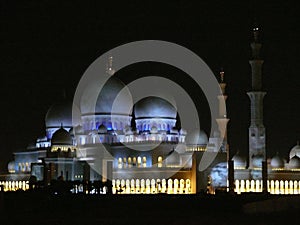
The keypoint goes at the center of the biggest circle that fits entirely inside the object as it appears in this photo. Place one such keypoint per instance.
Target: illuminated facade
(100, 144)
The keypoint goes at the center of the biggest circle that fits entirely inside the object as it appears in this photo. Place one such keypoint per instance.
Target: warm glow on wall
(151, 186)
(274, 186)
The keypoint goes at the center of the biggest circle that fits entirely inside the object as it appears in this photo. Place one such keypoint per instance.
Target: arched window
(134, 161)
(23, 167)
(27, 167)
(144, 161)
(120, 163)
(159, 161)
(129, 162)
(139, 161)
(170, 186)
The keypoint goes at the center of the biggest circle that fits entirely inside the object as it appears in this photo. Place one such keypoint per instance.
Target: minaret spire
(257, 136)
(109, 67)
(222, 119)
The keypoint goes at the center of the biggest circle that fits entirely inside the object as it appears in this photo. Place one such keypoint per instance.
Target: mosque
(154, 156)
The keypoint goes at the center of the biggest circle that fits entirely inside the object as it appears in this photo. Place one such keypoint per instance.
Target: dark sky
(47, 45)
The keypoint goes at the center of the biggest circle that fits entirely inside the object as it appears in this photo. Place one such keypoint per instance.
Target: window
(159, 161)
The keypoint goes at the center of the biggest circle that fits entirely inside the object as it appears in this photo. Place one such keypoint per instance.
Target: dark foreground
(39, 208)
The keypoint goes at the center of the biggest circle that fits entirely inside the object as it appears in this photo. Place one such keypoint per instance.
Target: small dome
(102, 129)
(295, 151)
(61, 114)
(173, 159)
(277, 161)
(197, 137)
(257, 161)
(154, 130)
(11, 167)
(239, 161)
(154, 107)
(61, 137)
(294, 163)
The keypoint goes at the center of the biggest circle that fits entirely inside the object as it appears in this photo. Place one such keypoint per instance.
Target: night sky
(47, 45)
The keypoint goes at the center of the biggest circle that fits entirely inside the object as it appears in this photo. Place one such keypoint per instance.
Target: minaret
(257, 136)
(222, 120)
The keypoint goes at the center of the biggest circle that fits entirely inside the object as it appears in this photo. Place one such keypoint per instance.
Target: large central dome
(112, 100)
(154, 112)
(154, 107)
(113, 106)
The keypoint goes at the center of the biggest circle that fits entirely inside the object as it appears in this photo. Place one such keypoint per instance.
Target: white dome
(154, 107)
(295, 151)
(197, 137)
(239, 161)
(109, 100)
(277, 161)
(61, 114)
(294, 163)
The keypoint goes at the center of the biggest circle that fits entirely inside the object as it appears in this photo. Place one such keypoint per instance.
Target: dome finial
(62, 125)
(298, 142)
